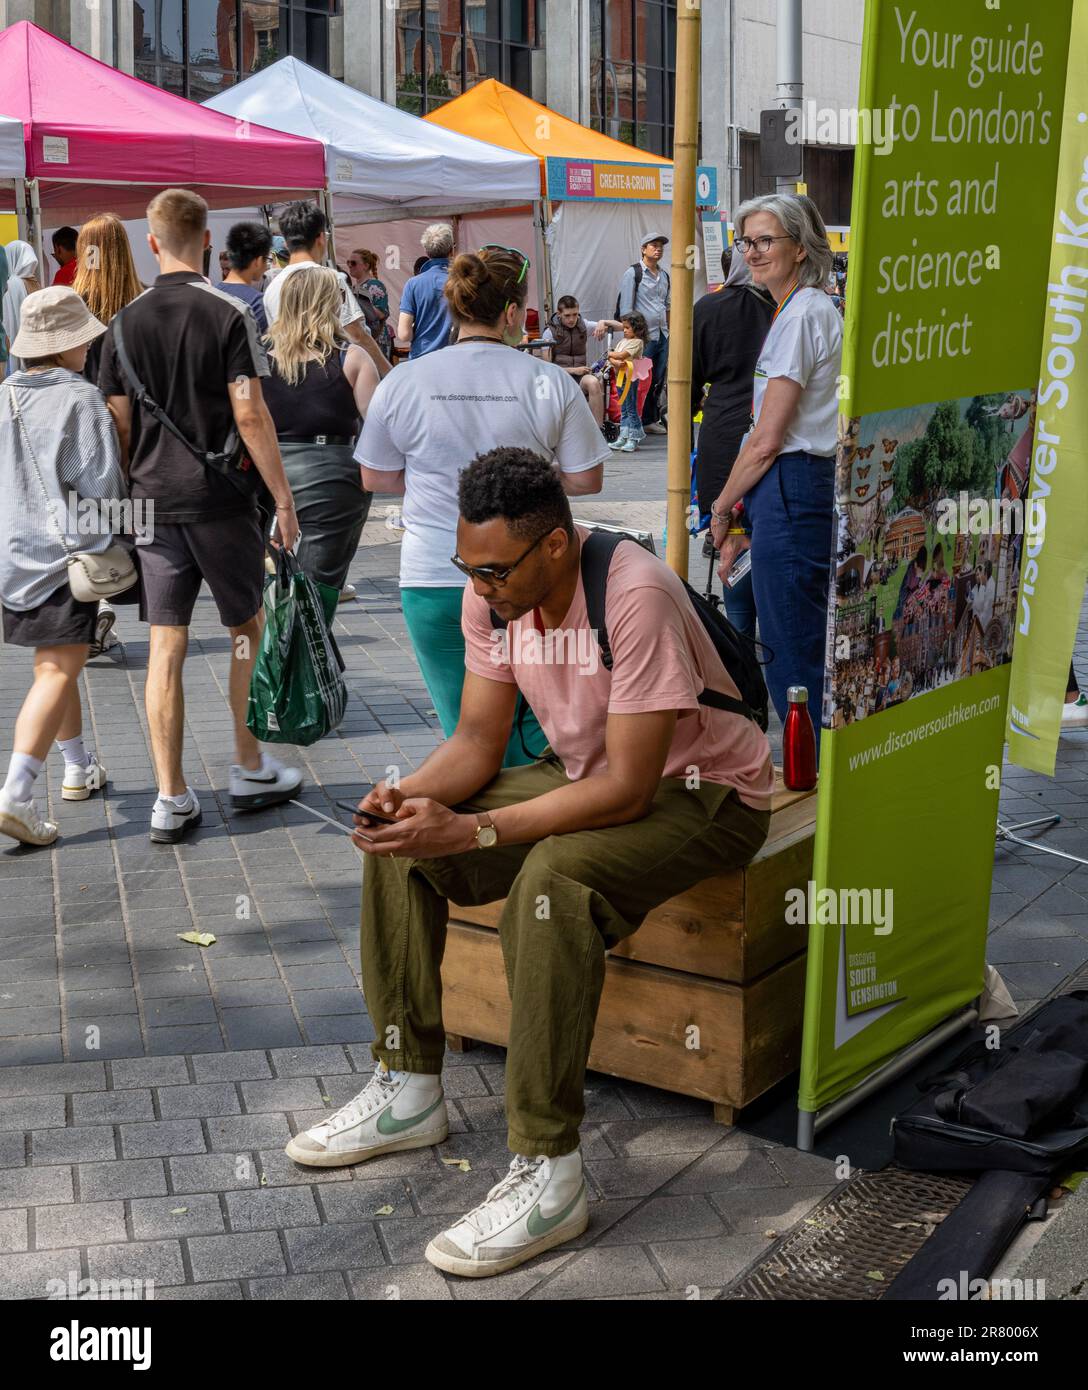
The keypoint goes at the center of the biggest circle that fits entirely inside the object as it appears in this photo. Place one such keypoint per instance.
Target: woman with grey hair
(424, 319)
(779, 497)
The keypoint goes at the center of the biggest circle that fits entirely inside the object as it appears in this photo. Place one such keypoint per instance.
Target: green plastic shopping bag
(297, 694)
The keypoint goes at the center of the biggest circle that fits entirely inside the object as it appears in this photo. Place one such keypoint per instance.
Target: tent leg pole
(326, 207)
(36, 210)
(22, 206)
(545, 258)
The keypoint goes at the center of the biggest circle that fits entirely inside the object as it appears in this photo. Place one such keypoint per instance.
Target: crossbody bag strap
(17, 412)
(156, 411)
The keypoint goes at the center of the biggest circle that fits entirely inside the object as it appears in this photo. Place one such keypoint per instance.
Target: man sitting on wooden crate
(647, 791)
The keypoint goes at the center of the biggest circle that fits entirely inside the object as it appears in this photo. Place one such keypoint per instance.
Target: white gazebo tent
(12, 150)
(382, 164)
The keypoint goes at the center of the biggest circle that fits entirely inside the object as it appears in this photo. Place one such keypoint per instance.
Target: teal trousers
(433, 619)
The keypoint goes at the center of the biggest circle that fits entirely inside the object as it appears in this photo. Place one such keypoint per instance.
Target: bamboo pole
(684, 252)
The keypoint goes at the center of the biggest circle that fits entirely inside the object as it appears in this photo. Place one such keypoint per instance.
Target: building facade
(609, 64)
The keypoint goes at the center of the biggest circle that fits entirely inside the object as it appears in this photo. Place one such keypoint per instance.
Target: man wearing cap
(645, 288)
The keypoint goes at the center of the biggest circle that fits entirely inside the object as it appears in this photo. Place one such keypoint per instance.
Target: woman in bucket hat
(59, 448)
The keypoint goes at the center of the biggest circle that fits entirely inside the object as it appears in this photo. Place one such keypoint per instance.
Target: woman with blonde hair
(106, 281)
(318, 394)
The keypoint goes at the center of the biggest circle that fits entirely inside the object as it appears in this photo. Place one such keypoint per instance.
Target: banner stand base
(1005, 832)
(811, 1122)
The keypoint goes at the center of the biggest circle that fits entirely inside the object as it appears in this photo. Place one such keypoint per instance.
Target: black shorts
(227, 553)
(58, 621)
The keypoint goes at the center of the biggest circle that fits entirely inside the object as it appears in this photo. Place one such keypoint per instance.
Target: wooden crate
(749, 1036)
(720, 957)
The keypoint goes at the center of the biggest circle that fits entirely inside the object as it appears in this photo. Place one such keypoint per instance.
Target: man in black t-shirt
(197, 353)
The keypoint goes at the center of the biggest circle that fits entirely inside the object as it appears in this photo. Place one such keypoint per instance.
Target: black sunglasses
(491, 574)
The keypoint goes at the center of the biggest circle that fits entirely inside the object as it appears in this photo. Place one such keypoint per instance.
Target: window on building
(197, 48)
(444, 47)
(632, 66)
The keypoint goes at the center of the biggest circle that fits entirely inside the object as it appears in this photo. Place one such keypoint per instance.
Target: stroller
(603, 370)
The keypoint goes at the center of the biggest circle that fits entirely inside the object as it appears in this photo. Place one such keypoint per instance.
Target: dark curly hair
(518, 485)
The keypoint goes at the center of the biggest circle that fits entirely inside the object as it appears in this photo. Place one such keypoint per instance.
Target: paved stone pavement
(148, 1086)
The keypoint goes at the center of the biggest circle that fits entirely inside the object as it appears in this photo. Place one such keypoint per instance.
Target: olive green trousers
(569, 898)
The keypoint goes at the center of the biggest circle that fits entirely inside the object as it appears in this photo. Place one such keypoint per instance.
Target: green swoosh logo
(388, 1124)
(538, 1225)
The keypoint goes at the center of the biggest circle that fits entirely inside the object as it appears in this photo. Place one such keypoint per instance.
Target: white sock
(22, 770)
(180, 803)
(75, 755)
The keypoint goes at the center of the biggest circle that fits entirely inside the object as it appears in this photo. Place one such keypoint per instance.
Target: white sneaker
(268, 786)
(656, 428)
(368, 1125)
(80, 782)
(347, 593)
(1075, 716)
(539, 1204)
(619, 441)
(21, 821)
(630, 444)
(169, 824)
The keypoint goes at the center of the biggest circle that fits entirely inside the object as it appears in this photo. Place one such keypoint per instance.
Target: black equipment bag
(231, 462)
(737, 652)
(1022, 1107)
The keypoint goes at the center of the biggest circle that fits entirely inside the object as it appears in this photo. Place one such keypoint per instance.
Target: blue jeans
(791, 512)
(658, 353)
(629, 416)
(740, 605)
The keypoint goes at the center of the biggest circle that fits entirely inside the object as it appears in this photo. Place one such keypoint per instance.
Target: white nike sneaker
(271, 784)
(539, 1204)
(169, 824)
(1075, 715)
(394, 1111)
(268, 786)
(80, 782)
(21, 821)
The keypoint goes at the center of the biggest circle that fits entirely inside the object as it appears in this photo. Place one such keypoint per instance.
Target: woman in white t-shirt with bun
(785, 471)
(432, 416)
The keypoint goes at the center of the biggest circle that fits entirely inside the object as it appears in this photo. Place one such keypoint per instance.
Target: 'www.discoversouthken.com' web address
(894, 743)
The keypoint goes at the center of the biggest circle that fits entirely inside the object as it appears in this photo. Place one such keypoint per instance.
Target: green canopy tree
(952, 456)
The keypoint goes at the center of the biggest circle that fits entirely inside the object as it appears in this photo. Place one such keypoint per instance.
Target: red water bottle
(798, 743)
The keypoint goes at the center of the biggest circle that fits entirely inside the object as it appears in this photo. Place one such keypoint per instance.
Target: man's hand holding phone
(420, 828)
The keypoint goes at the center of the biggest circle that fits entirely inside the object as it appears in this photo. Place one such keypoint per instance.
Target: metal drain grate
(854, 1243)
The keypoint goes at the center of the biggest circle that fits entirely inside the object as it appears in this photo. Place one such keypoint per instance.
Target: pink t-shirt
(661, 659)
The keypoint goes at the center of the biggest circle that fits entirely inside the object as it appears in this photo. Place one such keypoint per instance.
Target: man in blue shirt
(248, 245)
(424, 316)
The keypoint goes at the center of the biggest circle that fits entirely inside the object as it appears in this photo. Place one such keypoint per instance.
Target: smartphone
(739, 570)
(353, 807)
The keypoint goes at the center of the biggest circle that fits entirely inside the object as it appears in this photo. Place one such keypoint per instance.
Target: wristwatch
(487, 836)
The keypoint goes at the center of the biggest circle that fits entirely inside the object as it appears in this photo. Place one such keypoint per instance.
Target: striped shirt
(74, 443)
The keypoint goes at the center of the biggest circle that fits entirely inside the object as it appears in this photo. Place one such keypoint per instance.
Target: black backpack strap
(597, 551)
(221, 462)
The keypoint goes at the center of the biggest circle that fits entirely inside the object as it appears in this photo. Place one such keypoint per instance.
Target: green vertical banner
(1055, 567)
(959, 127)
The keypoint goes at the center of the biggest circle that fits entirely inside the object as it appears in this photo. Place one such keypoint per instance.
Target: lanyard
(792, 291)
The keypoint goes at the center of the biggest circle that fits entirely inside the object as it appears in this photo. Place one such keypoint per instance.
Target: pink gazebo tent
(97, 139)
